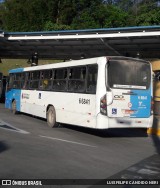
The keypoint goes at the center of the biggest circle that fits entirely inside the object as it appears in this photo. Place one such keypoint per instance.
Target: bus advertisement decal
(25, 96)
(142, 103)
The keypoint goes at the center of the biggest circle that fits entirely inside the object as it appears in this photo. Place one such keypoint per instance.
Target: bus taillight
(103, 105)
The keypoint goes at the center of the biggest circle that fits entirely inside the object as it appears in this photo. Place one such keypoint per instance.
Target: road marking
(7, 126)
(72, 142)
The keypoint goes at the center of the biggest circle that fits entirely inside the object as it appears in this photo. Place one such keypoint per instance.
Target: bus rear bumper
(104, 122)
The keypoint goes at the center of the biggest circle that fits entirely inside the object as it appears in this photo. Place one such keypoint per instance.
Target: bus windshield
(128, 74)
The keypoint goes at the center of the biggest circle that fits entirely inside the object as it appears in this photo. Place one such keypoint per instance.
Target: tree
(85, 17)
(144, 12)
(50, 26)
(148, 13)
(111, 16)
(40, 15)
(25, 15)
(85, 21)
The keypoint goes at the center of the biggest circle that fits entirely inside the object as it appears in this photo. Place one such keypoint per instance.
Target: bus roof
(72, 63)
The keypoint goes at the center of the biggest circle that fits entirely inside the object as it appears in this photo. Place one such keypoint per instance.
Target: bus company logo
(25, 96)
(118, 97)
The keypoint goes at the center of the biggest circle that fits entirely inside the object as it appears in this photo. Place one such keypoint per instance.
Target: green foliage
(84, 21)
(49, 26)
(148, 14)
(115, 17)
(40, 15)
(24, 15)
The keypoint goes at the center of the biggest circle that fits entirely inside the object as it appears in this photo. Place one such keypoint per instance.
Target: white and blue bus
(101, 93)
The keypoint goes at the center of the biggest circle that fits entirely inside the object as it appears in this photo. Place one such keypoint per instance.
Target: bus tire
(14, 110)
(51, 117)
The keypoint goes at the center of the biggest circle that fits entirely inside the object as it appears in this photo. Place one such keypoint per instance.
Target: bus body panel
(101, 83)
(71, 108)
(30, 103)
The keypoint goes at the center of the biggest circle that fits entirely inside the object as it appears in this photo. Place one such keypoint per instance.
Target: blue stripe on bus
(14, 94)
(141, 103)
(16, 70)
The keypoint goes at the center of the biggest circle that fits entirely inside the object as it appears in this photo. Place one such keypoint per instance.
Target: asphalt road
(29, 149)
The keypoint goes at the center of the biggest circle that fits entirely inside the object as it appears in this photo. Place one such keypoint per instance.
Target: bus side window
(34, 79)
(60, 79)
(46, 80)
(26, 80)
(15, 80)
(92, 78)
(11, 80)
(22, 78)
(76, 82)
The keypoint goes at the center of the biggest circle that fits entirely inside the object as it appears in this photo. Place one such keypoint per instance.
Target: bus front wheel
(14, 110)
(51, 117)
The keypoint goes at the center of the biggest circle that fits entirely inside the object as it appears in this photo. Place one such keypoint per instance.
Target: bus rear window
(129, 74)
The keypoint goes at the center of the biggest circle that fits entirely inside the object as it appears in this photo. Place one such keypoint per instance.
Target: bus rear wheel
(14, 110)
(51, 117)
